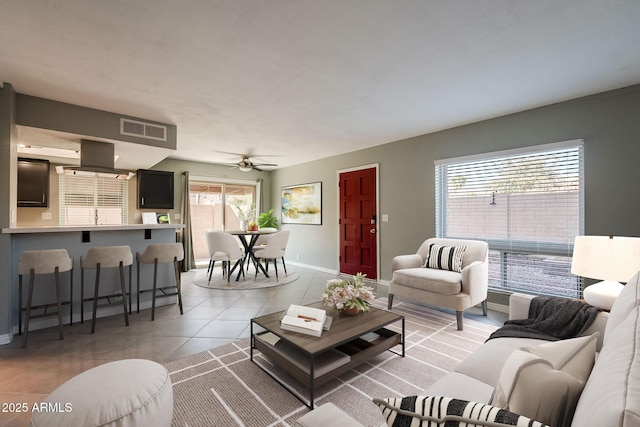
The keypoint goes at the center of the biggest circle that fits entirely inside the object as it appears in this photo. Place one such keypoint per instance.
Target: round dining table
(248, 240)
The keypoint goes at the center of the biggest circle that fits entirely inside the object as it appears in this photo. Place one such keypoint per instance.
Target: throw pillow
(445, 257)
(440, 411)
(545, 382)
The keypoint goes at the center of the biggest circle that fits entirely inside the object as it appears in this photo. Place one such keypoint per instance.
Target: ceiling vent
(143, 130)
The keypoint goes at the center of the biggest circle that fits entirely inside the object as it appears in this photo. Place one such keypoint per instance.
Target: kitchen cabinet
(33, 183)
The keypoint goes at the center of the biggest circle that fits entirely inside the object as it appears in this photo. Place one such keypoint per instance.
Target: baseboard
(313, 267)
(500, 308)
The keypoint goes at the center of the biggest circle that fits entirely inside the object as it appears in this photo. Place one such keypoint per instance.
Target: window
(92, 200)
(221, 206)
(527, 204)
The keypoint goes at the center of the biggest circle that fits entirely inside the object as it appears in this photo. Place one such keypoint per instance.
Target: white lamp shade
(606, 257)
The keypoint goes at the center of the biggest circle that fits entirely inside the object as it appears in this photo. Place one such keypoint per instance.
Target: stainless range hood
(96, 158)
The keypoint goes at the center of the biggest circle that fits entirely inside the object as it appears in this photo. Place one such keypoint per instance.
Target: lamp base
(602, 294)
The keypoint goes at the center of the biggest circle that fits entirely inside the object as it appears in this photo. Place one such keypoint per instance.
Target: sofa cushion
(485, 364)
(445, 257)
(429, 279)
(545, 382)
(462, 387)
(611, 396)
(409, 411)
(626, 301)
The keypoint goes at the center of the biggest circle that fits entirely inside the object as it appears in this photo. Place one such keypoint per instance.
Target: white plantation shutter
(92, 200)
(527, 204)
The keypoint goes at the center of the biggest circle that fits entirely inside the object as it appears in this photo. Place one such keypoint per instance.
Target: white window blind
(527, 204)
(92, 200)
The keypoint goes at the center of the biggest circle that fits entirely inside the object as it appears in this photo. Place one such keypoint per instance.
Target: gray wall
(8, 185)
(609, 123)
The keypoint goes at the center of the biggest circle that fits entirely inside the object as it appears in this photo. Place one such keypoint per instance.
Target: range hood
(96, 158)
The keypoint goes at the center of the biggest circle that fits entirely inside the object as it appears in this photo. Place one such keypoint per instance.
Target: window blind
(527, 204)
(92, 200)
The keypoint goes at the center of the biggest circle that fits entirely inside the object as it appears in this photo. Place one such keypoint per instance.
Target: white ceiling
(302, 80)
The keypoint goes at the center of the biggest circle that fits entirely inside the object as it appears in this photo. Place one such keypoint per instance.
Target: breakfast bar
(77, 240)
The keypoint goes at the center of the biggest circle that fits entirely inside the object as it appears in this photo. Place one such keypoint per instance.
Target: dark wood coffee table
(358, 337)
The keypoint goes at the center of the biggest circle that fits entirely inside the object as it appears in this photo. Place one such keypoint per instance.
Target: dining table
(248, 240)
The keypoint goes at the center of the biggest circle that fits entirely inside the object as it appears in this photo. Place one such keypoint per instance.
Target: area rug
(248, 282)
(222, 387)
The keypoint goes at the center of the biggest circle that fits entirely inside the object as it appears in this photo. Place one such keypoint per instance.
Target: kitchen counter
(64, 229)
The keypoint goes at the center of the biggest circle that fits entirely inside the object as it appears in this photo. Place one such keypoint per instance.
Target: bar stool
(51, 261)
(160, 253)
(105, 257)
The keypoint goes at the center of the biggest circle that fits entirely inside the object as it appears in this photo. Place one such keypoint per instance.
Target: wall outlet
(297, 257)
(385, 217)
(176, 216)
(137, 215)
(46, 215)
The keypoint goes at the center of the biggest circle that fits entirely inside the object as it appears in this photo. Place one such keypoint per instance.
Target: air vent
(143, 130)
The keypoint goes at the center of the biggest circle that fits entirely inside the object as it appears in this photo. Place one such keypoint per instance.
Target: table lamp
(607, 258)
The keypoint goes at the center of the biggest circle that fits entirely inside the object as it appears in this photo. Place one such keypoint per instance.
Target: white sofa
(611, 395)
(457, 290)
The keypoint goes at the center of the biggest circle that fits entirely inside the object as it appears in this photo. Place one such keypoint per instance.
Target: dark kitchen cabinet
(155, 189)
(33, 183)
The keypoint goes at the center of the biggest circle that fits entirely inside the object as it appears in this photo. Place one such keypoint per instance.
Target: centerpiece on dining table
(349, 296)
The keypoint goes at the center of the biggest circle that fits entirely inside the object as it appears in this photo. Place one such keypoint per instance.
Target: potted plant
(266, 219)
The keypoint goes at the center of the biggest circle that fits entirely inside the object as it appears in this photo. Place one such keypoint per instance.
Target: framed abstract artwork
(302, 204)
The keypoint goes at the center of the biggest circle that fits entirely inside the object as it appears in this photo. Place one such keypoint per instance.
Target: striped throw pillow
(440, 411)
(445, 257)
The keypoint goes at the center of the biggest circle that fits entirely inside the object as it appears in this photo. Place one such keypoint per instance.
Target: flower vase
(350, 311)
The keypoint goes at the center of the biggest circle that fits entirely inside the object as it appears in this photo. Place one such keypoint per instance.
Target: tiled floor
(211, 318)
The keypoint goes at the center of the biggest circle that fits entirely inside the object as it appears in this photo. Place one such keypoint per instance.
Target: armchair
(457, 290)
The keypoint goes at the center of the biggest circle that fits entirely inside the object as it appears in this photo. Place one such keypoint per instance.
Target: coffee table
(313, 361)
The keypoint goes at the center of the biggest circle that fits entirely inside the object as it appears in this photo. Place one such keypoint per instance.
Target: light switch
(385, 218)
(46, 215)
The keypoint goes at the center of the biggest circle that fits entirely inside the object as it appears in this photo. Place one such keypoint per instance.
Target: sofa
(591, 380)
(451, 273)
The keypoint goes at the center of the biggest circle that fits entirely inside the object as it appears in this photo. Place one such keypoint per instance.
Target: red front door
(358, 223)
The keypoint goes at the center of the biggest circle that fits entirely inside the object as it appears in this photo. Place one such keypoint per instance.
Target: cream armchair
(441, 287)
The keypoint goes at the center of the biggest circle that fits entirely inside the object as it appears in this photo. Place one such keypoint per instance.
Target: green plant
(266, 219)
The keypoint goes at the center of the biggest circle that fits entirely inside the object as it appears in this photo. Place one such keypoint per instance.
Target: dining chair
(261, 241)
(224, 247)
(274, 249)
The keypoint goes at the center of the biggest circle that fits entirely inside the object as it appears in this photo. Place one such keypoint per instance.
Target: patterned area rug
(222, 387)
(217, 282)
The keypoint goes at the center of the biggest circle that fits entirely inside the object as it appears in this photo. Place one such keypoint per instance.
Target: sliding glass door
(219, 206)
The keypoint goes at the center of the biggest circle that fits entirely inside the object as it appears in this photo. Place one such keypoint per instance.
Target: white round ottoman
(131, 392)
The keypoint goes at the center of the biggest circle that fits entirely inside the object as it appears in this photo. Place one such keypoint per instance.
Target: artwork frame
(301, 204)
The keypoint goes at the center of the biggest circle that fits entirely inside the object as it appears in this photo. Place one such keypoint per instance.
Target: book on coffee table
(303, 319)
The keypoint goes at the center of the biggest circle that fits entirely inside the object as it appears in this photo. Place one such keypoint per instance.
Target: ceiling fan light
(244, 168)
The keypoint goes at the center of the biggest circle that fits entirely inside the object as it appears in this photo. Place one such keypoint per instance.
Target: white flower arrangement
(342, 293)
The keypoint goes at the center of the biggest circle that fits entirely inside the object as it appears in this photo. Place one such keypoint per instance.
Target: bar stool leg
(178, 283)
(20, 304)
(124, 292)
(57, 274)
(71, 298)
(95, 299)
(138, 287)
(81, 295)
(155, 284)
(32, 276)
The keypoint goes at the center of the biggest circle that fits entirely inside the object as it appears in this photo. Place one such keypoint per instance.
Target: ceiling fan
(246, 165)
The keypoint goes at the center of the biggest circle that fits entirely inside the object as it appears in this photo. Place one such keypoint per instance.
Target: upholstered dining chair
(224, 247)
(274, 249)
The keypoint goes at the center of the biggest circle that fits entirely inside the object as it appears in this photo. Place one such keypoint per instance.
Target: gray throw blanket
(551, 319)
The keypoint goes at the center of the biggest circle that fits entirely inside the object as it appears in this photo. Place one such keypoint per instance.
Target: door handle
(372, 231)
